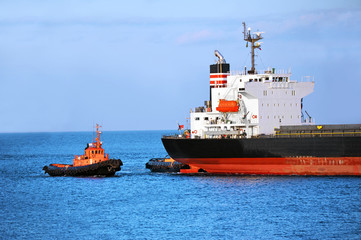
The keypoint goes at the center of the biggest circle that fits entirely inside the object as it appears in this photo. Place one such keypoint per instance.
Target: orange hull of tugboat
(276, 166)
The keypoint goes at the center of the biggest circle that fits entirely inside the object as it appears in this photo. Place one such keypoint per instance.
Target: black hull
(269, 155)
(104, 168)
(263, 147)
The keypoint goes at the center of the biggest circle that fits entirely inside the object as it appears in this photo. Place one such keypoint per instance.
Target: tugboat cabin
(94, 153)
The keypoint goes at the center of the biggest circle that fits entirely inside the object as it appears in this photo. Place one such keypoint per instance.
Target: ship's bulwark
(272, 156)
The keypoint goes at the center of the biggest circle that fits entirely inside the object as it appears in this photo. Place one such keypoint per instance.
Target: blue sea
(138, 204)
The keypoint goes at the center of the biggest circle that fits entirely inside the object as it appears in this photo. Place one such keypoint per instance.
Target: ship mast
(252, 38)
(97, 139)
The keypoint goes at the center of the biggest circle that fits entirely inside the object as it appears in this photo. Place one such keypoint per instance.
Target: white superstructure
(253, 103)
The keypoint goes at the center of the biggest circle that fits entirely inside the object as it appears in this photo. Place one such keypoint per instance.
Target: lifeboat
(227, 106)
(93, 162)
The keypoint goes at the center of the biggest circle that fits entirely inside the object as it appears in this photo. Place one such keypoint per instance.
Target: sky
(142, 65)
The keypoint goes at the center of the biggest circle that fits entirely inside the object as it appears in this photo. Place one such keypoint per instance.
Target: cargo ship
(94, 162)
(255, 123)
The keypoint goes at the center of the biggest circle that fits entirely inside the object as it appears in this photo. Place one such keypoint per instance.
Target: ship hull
(104, 168)
(270, 156)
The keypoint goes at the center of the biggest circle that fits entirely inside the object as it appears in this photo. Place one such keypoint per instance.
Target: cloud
(326, 18)
(208, 35)
(194, 37)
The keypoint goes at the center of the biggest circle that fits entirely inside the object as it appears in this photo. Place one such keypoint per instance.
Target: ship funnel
(219, 56)
(218, 74)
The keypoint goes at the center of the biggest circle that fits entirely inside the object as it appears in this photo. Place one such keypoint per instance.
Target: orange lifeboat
(227, 106)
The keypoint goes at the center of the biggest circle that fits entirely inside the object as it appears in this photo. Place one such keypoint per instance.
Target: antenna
(252, 38)
(309, 117)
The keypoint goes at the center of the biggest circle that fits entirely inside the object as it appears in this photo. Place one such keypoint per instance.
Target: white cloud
(327, 18)
(194, 37)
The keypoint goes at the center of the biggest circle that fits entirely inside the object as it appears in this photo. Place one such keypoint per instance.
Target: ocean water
(138, 204)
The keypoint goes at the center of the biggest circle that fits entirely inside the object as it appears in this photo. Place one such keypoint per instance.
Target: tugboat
(165, 164)
(94, 162)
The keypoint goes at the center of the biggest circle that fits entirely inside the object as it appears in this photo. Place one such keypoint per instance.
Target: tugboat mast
(97, 139)
(252, 38)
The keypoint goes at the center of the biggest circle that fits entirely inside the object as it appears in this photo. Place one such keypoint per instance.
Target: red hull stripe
(218, 82)
(279, 166)
(218, 76)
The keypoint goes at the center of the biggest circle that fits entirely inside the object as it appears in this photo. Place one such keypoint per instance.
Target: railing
(307, 79)
(318, 134)
(276, 72)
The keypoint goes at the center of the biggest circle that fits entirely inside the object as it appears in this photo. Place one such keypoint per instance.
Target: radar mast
(252, 38)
